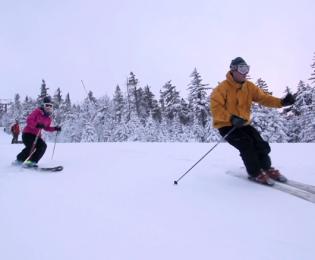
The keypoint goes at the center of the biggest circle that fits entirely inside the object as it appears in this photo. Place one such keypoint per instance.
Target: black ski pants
(253, 149)
(28, 140)
(15, 139)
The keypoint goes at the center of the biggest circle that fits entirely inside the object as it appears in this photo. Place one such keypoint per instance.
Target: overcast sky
(100, 42)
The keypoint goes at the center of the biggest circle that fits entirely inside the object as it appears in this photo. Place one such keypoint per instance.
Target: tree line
(137, 114)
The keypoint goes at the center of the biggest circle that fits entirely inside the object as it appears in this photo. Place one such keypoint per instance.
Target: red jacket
(37, 117)
(15, 129)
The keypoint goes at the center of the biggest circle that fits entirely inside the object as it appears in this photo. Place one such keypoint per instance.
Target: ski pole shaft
(52, 156)
(220, 141)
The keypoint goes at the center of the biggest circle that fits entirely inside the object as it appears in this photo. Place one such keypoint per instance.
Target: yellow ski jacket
(232, 98)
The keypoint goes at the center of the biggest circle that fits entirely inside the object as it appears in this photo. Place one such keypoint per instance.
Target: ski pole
(33, 149)
(220, 141)
(52, 156)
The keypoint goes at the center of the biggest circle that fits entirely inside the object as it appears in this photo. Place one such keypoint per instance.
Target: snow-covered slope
(117, 201)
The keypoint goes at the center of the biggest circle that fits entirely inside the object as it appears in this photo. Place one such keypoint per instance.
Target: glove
(58, 128)
(40, 126)
(237, 121)
(288, 100)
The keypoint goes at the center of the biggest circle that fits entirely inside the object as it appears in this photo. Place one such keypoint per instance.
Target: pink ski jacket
(37, 117)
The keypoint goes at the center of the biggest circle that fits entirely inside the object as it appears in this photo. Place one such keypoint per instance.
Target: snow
(117, 201)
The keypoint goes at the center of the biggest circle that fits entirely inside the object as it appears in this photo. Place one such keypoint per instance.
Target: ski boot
(262, 178)
(17, 163)
(276, 175)
(30, 164)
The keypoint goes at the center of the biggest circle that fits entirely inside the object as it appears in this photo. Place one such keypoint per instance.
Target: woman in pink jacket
(39, 119)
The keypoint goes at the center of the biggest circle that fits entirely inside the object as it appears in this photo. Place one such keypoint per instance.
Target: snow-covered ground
(117, 201)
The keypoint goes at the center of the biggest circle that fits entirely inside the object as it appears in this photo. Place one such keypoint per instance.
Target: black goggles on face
(48, 105)
(241, 68)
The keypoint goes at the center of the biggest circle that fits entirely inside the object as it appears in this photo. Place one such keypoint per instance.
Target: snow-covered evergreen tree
(306, 118)
(119, 104)
(170, 100)
(17, 108)
(43, 92)
(185, 114)
(57, 98)
(132, 95)
(58, 111)
(263, 85)
(28, 106)
(89, 134)
(147, 102)
(197, 99)
(268, 121)
(312, 78)
(156, 111)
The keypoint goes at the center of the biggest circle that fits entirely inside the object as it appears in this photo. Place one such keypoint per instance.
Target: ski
(41, 168)
(295, 191)
(284, 187)
(49, 169)
(301, 186)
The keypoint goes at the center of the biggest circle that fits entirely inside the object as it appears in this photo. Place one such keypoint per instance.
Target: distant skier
(231, 103)
(15, 130)
(39, 119)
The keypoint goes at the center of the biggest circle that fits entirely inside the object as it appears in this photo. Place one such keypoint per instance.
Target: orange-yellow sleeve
(264, 98)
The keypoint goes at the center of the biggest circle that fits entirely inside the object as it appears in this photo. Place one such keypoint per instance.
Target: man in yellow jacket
(231, 103)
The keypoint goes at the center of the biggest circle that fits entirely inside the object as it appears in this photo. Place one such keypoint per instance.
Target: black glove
(40, 126)
(237, 121)
(288, 100)
(58, 128)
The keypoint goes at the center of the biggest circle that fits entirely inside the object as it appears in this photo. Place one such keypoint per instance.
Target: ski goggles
(48, 105)
(242, 68)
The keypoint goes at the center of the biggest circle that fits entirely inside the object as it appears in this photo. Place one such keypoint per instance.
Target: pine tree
(118, 101)
(132, 95)
(89, 134)
(57, 98)
(58, 114)
(306, 116)
(17, 108)
(43, 92)
(156, 111)
(104, 120)
(28, 106)
(170, 100)
(268, 121)
(263, 85)
(147, 102)
(67, 103)
(308, 130)
(303, 97)
(152, 130)
(312, 78)
(185, 115)
(197, 98)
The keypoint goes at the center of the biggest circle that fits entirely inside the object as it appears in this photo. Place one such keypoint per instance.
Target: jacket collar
(44, 113)
(232, 82)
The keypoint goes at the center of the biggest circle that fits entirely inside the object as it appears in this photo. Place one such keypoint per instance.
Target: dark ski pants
(15, 139)
(28, 140)
(253, 149)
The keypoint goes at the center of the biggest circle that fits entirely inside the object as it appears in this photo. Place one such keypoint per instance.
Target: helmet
(240, 65)
(47, 99)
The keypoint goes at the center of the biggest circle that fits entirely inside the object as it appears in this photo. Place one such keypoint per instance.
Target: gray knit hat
(237, 61)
